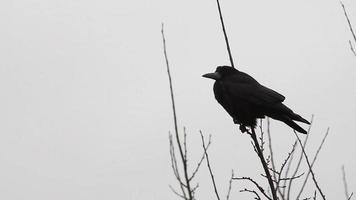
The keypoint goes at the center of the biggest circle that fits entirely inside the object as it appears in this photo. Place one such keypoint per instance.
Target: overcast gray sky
(84, 102)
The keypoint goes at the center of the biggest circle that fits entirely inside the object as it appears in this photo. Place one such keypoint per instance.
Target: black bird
(246, 100)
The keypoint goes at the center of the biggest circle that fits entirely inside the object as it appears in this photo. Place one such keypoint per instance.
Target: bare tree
(280, 179)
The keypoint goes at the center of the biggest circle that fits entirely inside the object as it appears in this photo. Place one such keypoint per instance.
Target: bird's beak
(215, 75)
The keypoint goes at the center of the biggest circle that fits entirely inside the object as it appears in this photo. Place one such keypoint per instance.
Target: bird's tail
(283, 113)
(298, 118)
(294, 125)
(290, 114)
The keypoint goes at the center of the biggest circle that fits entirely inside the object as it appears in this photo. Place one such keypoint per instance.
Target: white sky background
(84, 102)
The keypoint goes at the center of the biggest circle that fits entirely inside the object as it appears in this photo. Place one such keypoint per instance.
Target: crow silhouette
(246, 100)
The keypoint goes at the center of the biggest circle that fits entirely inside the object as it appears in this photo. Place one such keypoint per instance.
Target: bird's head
(221, 72)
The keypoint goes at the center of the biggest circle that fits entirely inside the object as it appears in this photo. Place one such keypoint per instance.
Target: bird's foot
(243, 128)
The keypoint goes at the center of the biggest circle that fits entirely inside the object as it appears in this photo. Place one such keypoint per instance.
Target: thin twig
(345, 182)
(287, 171)
(352, 48)
(175, 165)
(255, 183)
(348, 21)
(301, 156)
(177, 193)
(199, 163)
(185, 168)
(253, 192)
(314, 195)
(281, 170)
(310, 168)
(270, 145)
(292, 178)
(264, 164)
(271, 150)
(185, 144)
(208, 164)
(350, 26)
(230, 185)
(312, 164)
(195, 188)
(225, 35)
(262, 136)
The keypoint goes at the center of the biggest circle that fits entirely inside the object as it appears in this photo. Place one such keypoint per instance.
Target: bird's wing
(244, 87)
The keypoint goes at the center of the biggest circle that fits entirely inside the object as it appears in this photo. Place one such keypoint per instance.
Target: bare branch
(273, 163)
(175, 165)
(281, 170)
(264, 164)
(252, 191)
(352, 48)
(348, 21)
(274, 171)
(286, 173)
(208, 164)
(300, 157)
(225, 35)
(195, 188)
(345, 182)
(255, 183)
(230, 185)
(314, 195)
(292, 178)
(288, 157)
(310, 167)
(350, 27)
(314, 159)
(185, 144)
(262, 141)
(177, 193)
(270, 148)
(200, 162)
(185, 170)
